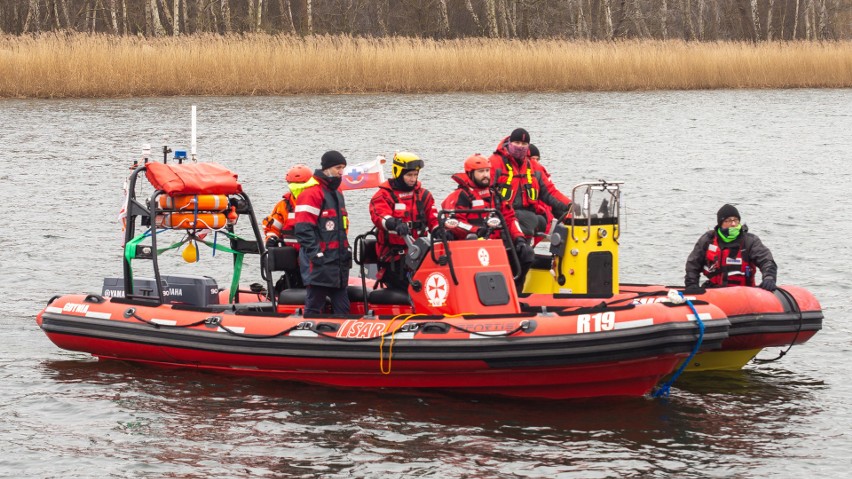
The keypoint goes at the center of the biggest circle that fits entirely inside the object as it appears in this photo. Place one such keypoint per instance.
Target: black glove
(391, 224)
(439, 234)
(483, 232)
(560, 210)
(526, 255)
(694, 289)
(271, 242)
(402, 229)
(768, 284)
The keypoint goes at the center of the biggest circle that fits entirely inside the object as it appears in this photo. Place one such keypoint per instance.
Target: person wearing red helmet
(476, 192)
(525, 184)
(401, 207)
(279, 226)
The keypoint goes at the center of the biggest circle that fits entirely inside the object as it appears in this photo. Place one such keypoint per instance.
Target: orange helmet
(299, 174)
(476, 162)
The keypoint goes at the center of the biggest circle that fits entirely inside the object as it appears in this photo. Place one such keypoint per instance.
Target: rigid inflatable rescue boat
(461, 326)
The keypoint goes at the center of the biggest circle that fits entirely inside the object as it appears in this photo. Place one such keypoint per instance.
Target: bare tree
(309, 20)
(176, 18)
(689, 28)
(491, 18)
(445, 18)
(225, 9)
(607, 14)
(755, 19)
(287, 11)
(469, 7)
(769, 13)
(155, 26)
(664, 19)
(33, 20)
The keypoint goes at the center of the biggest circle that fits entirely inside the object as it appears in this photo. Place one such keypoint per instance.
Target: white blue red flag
(369, 174)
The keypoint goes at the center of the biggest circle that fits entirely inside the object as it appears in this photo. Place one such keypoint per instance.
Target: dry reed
(83, 66)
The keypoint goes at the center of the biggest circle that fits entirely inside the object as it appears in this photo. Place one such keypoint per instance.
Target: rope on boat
(393, 338)
(665, 389)
(798, 310)
(209, 321)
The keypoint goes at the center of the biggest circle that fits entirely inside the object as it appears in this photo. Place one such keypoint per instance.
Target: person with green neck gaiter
(729, 256)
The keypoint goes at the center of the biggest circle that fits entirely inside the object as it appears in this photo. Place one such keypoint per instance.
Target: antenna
(193, 144)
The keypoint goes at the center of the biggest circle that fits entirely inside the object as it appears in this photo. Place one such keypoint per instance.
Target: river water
(783, 157)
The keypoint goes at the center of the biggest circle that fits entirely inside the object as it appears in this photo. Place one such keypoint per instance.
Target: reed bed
(85, 66)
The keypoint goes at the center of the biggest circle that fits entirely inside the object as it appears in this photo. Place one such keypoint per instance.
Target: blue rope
(665, 389)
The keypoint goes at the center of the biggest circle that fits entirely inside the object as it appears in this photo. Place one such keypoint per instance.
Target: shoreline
(105, 66)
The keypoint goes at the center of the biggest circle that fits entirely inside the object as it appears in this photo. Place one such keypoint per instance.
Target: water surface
(781, 156)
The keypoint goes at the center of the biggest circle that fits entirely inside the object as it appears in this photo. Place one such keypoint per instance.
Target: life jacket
(416, 208)
(282, 222)
(518, 185)
(727, 264)
(469, 196)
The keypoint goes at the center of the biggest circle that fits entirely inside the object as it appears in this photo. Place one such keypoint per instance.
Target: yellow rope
(393, 338)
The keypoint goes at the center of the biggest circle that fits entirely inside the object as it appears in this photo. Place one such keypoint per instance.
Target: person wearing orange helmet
(475, 192)
(279, 226)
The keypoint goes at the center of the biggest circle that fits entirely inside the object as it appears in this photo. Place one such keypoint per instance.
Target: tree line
(691, 20)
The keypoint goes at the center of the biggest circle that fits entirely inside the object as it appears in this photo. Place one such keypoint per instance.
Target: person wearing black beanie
(729, 256)
(321, 229)
(526, 185)
(725, 212)
(332, 158)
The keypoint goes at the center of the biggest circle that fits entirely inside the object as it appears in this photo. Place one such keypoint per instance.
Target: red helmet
(476, 162)
(299, 174)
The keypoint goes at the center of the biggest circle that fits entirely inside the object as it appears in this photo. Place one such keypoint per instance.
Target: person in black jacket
(730, 256)
(321, 227)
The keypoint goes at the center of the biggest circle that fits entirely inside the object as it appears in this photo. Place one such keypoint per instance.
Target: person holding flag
(401, 207)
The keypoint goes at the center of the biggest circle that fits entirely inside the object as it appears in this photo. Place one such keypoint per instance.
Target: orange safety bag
(193, 179)
(189, 221)
(189, 202)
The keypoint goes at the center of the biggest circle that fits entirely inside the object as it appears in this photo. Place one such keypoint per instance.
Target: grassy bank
(60, 66)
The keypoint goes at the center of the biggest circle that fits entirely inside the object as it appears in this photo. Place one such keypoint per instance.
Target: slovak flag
(369, 174)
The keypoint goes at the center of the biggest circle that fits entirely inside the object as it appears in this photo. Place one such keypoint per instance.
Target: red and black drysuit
(527, 187)
(324, 256)
(469, 196)
(413, 206)
(729, 264)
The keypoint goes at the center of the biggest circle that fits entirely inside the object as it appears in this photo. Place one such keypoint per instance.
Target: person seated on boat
(729, 256)
(321, 228)
(475, 192)
(279, 226)
(525, 184)
(401, 207)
